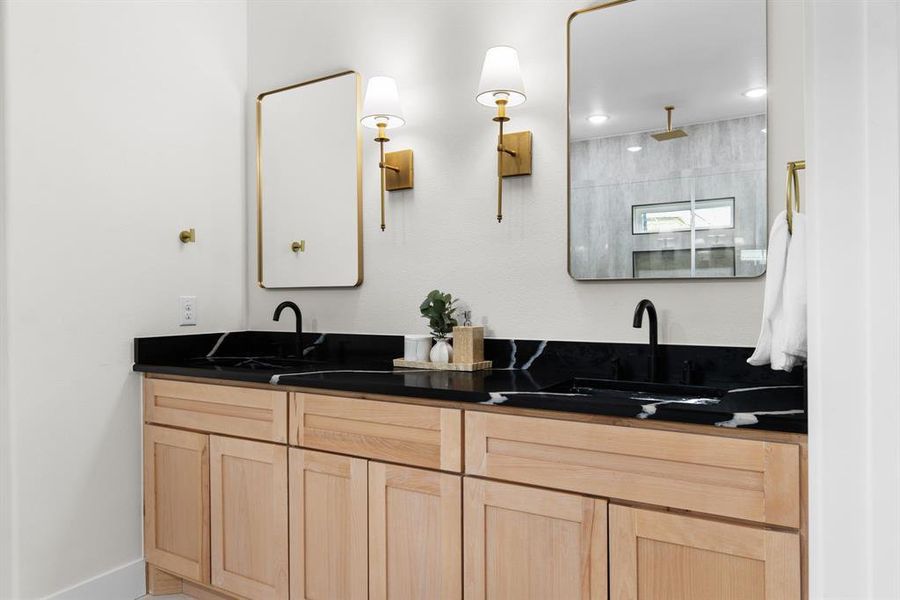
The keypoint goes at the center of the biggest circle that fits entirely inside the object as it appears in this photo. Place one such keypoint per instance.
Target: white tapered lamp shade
(382, 104)
(501, 78)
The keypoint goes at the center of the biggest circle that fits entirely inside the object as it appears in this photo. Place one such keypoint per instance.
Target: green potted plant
(438, 309)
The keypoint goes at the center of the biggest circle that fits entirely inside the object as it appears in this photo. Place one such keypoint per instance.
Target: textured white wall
(124, 124)
(443, 233)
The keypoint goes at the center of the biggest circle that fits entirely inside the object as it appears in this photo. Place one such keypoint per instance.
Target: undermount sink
(634, 390)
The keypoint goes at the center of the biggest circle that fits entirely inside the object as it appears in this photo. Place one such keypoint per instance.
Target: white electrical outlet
(188, 310)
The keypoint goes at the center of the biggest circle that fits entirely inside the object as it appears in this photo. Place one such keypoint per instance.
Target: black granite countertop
(575, 377)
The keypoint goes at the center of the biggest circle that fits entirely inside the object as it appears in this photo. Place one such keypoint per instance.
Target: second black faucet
(638, 320)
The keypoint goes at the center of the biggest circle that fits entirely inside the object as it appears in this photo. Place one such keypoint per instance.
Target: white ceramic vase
(442, 351)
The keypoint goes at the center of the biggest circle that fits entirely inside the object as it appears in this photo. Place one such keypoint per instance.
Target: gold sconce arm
(398, 176)
(501, 118)
(381, 139)
(513, 154)
(387, 166)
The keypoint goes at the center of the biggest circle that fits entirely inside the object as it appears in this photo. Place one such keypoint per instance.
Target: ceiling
(631, 60)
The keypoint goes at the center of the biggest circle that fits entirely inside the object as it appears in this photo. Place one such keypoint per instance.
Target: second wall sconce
(381, 111)
(187, 236)
(501, 85)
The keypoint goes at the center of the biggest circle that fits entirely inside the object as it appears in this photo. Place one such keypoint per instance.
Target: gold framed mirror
(667, 140)
(309, 184)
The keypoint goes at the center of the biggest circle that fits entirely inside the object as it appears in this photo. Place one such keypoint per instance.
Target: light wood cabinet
(176, 501)
(228, 410)
(663, 556)
(744, 479)
(415, 539)
(328, 526)
(527, 543)
(522, 514)
(422, 436)
(249, 518)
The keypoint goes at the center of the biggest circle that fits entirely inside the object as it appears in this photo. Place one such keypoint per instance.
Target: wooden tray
(415, 364)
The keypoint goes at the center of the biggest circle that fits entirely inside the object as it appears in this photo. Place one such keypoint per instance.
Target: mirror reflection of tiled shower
(692, 207)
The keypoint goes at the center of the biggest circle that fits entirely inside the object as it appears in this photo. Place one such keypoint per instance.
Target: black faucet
(638, 320)
(299, 316)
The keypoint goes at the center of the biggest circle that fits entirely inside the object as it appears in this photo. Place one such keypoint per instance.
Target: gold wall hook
(187, 236)
(299, 246)
(792, 191)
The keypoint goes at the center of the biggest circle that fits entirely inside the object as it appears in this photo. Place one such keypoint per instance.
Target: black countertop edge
(778, 414)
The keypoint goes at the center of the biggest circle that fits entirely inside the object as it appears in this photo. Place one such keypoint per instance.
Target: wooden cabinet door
(328, 535)
(415, 531)
(663, 556)
(176, 501)
(249, 518)
(530, 544)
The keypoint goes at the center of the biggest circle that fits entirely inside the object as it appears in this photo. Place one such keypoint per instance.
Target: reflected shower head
(669, 133)
(665, 136)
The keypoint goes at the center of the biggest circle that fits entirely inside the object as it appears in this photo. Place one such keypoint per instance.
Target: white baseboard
(122, 583)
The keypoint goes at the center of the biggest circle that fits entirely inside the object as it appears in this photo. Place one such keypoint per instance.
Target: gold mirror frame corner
(359, 186)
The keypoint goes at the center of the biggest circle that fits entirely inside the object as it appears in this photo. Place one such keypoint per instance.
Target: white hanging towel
(782, 337)
(795, 292)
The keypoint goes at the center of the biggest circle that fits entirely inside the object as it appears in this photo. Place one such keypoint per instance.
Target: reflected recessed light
(755, 92)
(634, 148)
(764, 130)
(598, 119)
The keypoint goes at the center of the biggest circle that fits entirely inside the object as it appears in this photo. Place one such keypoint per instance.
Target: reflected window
(665, 264)
(715, 213)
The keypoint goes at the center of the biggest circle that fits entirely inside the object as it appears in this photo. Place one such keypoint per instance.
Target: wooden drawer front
(744, 479)
(243, 412)
(422, 436)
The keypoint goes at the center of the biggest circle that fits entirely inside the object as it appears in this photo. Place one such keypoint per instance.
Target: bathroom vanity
(272, 479)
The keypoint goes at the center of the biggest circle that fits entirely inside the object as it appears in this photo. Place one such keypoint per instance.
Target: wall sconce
(501, 86)
(381, 111)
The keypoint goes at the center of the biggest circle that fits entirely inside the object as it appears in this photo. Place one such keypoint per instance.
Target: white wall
(443, 233)
(5, 462)
(853, 130)
(125, 124)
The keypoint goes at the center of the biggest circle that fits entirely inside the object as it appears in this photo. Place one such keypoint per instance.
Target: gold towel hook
(793, 185)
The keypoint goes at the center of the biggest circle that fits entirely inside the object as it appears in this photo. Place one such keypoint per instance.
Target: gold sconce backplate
(402, 179)
(520, 164)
